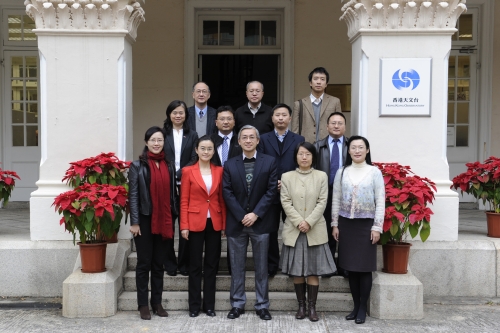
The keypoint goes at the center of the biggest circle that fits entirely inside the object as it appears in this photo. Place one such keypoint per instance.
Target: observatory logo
(407, 80)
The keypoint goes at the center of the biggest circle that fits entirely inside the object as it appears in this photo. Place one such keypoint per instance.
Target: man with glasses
(249, 189)
(312, 111)
(331, 156)
(202, 116)
(255, 112)
(280, 144)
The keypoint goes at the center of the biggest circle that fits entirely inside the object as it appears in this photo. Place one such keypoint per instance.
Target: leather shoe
(359, 321)
(271, 273)
(159, 310)
(144, 311)
(194, 313)
(264, 314)
(171, 273)
(184, 273)
(325, 276)
(235, 313)
(350, 316)
(210, 313)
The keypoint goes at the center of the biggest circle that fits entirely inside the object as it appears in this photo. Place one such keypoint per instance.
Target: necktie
(225, 150)
(201, 114)
(334, 161)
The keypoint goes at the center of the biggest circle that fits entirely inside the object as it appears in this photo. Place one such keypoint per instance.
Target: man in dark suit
(279, 144)
(255, 112)
(201, 116)
(226, 141)
(332, 152)
(249, 188)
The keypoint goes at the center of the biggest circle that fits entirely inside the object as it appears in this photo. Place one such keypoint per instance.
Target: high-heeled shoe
(159, 310)
(144, 311)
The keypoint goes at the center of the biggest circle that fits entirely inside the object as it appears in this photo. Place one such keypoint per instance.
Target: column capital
(85, 16)
(401, 16)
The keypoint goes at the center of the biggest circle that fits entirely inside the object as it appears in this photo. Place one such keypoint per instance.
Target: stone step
(249, 266)
(279, 301)
(280, 282)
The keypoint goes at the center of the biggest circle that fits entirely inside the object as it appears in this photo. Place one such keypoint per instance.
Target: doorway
(228, 74)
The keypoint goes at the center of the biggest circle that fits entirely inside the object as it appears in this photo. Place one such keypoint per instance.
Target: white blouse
(208, 183)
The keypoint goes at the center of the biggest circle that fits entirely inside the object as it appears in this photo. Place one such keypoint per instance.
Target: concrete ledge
(396, 296)
(279, 301)
(461, 268)
(95, 295)
(35, 269)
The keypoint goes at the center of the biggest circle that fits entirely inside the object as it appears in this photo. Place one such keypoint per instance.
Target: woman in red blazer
(203, 220)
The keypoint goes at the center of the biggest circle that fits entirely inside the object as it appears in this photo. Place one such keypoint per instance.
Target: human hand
(279, 185)
(335, 233)
(249, 219)
(135, 230)
(185, 234)
(375, 236)
(304, 226)
(223, 233)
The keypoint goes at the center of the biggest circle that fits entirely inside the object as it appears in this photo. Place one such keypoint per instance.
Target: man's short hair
(194, 85)
(248, 127)
(319, 70)
(224, 108)
(282, 105)
(336, 113)
(261, 84)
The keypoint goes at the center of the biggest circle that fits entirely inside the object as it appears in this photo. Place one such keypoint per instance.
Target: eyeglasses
(203, 149)
(197, 92)
(256, 91)
(156, 141)
(246, 138)
(225, 119)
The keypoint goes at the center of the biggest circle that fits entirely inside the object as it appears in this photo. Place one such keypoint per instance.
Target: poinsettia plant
(92, 210)
(7, 184)
(105, 168)
(482, 180)
(406, 198)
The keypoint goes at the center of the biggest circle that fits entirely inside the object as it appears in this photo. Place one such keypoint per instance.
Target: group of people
(238, 174)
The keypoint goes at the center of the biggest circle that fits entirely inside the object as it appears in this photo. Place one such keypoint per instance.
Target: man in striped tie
(332, 152)
(226, 141)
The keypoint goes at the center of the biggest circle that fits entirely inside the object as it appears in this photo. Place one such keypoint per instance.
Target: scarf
(159, 189)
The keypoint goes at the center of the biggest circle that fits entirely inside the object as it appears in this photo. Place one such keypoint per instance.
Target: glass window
(18, 136)
(210, 32)
(463, 113)
(21, 28)
(451, 67)
(465, 27)
(31, 136)
(462, 136)
(227, 33)
(451, 113)
(268, 35)
(252, 32)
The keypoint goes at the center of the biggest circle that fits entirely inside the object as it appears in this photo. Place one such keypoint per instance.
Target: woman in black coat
(153, 200)
(179, 148)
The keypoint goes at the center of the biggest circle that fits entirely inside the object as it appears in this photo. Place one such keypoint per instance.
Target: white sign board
(405, 87)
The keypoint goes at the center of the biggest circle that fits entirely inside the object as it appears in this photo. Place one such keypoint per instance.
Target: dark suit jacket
(262, 120)
(187, 149)
(262, 192)
(211, 116)
(234, 148)
(323, 154)
(286, 161)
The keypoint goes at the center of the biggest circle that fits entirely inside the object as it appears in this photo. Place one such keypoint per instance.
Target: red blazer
(195, 200)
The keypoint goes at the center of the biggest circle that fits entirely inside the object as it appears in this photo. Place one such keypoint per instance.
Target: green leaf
(92, 179)
(89, 214)
(414, 230)
(425, 231)
(397, 205)
(394, 229)
(406, 204)
(385, 237)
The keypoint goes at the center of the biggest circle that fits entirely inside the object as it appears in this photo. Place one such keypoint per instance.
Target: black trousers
(332, 243)
(273, 258)
(212, 241)
(182, 262)
(151, 251)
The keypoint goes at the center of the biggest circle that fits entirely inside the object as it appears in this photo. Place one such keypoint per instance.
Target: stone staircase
(333, 295)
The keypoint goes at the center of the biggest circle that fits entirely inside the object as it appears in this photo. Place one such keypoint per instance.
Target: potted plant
(105, 168)
(482, 180)
(94, 211)
(7, 184)
(407, 196)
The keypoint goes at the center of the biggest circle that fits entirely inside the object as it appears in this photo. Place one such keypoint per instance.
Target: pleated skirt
(356, 251)
(305, 260)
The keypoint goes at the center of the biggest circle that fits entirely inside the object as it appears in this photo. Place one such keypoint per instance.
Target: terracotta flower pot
(93, 257)
(396, 258)
(493, 220)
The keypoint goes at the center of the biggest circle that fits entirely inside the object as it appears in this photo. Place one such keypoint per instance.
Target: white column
(381, 29)
(85, 51)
